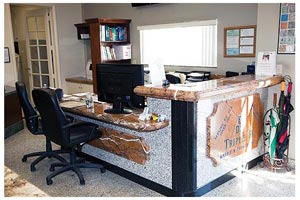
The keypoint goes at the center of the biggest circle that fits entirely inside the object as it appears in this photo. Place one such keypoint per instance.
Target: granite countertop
(195, 91)
(130, 121)
(80, 79)
(15, 186)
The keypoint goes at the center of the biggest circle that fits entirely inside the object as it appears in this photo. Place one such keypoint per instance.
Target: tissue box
(122, 51)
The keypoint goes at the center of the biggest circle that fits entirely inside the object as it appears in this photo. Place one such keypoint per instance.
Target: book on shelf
(122, 51)
(113, 34)
(103, 53)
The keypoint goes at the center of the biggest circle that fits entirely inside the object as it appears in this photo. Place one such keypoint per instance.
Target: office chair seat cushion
(81, 134)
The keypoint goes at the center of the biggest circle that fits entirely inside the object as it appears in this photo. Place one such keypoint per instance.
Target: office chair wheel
(24, 159)
(32, 168)
(49, 181)
(82, 182)
(102, 170)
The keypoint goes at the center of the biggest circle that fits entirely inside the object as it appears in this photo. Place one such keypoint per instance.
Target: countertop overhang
(201, 90)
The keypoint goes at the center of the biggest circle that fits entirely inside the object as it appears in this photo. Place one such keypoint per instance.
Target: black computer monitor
(115, 83)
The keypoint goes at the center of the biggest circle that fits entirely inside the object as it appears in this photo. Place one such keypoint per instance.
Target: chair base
(73, 165)
(42, 155)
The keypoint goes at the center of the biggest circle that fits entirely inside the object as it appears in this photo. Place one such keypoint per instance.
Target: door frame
(52, 52)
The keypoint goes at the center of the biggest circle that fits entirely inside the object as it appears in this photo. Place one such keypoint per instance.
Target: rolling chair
(60, 130)
(231, 74)
(34, 126)
(173, 78)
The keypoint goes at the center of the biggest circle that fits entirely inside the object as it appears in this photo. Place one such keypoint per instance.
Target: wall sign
(6, 55)
(239, 41)
(286, 32)
(234, 128)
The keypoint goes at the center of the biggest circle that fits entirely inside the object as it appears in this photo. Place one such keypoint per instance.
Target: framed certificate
(6, 55)
(239, 41)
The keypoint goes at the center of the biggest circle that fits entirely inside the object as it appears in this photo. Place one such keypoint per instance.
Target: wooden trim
(95, 51)
(108, 20)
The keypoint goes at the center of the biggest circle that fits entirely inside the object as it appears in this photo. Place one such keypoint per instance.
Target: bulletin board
(286, 35)
(240, 41)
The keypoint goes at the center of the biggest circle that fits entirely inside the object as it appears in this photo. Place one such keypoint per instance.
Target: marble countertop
(16, 186)
(195, 91)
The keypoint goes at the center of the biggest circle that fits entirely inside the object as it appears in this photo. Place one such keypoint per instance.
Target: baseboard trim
(13, 129)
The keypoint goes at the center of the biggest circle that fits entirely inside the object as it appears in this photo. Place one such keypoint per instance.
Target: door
(41, 69)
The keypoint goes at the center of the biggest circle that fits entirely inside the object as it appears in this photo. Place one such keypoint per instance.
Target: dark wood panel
(13, 112)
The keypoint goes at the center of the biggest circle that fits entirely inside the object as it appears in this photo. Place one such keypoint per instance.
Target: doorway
(33, 37)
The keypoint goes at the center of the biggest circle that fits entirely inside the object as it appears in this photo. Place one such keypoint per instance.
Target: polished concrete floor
(257, 182)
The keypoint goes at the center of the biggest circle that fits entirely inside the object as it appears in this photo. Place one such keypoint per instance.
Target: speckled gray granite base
(159, 167)
(206, 172)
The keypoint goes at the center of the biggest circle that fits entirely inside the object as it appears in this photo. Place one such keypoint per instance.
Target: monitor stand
(117, 107)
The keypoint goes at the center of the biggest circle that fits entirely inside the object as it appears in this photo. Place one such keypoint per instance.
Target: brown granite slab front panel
(206, 89)
(126, 145)
(130, 121)
(234, 127)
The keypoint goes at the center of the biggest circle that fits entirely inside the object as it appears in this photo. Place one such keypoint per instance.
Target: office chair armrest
(70, 118)
(79, 123)
(33, 116)
(67, 128)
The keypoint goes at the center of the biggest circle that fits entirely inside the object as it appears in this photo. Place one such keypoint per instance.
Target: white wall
(267, 37)
(70, 49)
(9, 68)
(227, 14)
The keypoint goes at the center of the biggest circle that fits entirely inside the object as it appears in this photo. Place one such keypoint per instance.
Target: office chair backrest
(172, 78)
(53, 118)
(30, 114)
(231, 74)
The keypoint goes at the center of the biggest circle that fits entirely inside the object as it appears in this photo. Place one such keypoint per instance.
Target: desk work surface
(130, 121)
(196, 91)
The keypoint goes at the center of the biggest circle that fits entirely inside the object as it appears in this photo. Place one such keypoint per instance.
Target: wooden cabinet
(73, 88)
(83, 31)
(106, 35)
(13, 122)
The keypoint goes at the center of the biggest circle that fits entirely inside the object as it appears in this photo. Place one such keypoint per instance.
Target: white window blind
(184, 44)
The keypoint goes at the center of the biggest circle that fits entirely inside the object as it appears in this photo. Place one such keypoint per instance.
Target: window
(183, 44)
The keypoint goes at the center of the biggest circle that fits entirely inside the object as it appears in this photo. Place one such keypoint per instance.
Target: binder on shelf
(122, 51)
(109, 57)
(102, 32)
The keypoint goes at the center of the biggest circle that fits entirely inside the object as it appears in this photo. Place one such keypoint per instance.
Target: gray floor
(257, 182)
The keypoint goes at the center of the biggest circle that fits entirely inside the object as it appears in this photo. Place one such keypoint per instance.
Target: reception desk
(212, 127)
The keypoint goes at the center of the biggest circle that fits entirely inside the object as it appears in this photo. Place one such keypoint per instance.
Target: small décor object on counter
(89, 101)
(145, 115)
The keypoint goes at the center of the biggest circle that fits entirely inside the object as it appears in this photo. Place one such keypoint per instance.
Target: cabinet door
(87, 88)
(72, 88)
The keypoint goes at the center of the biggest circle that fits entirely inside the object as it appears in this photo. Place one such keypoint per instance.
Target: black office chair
(34, 126)
(231, 74)
(59, 130)
(172, 78)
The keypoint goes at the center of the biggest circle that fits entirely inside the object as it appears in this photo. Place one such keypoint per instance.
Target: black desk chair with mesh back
(62, 132)
(34, 126)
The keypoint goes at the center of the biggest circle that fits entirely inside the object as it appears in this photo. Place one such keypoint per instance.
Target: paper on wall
(266, 63)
